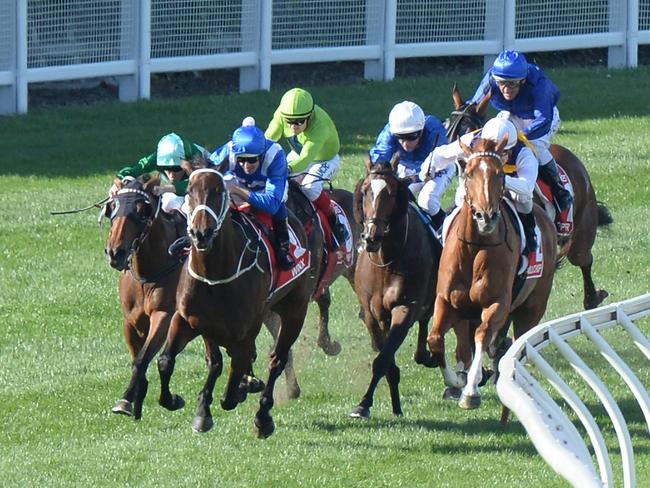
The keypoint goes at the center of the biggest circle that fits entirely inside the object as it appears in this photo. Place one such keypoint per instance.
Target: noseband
(131, 196)
(225, 197)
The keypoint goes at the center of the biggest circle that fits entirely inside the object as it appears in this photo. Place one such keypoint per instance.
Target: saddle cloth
(563, 221)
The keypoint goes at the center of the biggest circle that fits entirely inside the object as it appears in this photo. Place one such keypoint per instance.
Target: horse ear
(367, 162)
(481, 109)
(188, 167)
(357, 204)
(394, 161)
(501, 144)
(466, 149)
(222, 167)
(151, 182)
(458, 100)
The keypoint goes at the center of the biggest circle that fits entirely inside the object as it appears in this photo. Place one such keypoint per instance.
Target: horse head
(131, 212)
(466, 117)
(379, 201)
(484, 182)
(208, 199)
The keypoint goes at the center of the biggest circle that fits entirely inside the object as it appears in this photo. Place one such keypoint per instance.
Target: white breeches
(312, 179)
(543, 143)
(523, 203)
(434, 189)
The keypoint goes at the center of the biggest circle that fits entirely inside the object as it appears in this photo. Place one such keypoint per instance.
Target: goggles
(411, 136)
(509, 83)
(295, 121)
(248, 159)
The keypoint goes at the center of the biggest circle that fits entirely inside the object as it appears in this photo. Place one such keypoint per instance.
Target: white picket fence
(53, 40)
(555, 437)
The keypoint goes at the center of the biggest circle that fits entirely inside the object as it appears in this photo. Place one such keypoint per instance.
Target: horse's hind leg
(136, 392)
(179, 335)
(272, 322)
(422, 354)
(214, 361)
(392, 378)
(292, 322)
(325, 342)
(592, 297)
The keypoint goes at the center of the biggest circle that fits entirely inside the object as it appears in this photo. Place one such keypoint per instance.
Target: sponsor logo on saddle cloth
(301, 256)
(564, 221)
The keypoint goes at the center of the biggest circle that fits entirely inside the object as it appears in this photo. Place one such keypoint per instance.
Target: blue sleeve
(437, 131)
(384, 147)
(271, 198)
(220, 154)
(545, 96)
(482, 90)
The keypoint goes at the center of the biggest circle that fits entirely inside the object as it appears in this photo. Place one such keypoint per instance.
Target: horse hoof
(331, 348)
(293, 392)
(360, 412)
(229, 404)
(264, 429)
(594, 300)
(485, 376)
(425, 360)
(469, 402)
(254, 385)
(123, 407)
(452, 393)
(202, 424)
(176, 403)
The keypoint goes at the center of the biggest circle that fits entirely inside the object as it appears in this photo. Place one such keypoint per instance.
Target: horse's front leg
(384, 364)
(272, 323)
(325, 342)
(444, 316)
(492, 318)
(241, 356)
(179, 335)
(133, 398)
(214, 361)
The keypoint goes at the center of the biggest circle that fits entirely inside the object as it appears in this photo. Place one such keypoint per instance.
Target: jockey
(257, 174)
(413, 135)
(171, 151)
(522, 92)
(314, 142)
(520, 184)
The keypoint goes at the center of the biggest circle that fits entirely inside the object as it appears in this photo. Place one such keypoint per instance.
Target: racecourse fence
(553, 434)
(53, 40)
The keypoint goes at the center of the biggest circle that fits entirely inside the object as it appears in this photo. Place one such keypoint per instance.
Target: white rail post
(373, 69)
(390, 28)
(251, 40)
(21, 57)
(128, 90)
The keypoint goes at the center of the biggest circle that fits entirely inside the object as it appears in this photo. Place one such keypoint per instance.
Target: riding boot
(324, 204)
(180, 247)
(438, 219)
(285, 261)
(550, 175)
(528, 221)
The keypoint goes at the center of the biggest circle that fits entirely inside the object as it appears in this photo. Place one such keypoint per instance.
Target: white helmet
(405, 118)
(496, 129)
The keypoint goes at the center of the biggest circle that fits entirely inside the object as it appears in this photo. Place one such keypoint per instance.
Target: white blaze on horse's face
(376, 187)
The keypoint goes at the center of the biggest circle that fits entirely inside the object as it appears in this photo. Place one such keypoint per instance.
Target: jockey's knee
(312, 190)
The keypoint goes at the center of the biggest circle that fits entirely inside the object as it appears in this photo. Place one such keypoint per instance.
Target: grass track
(63, 361)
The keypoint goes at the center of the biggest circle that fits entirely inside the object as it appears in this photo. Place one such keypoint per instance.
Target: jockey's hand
(117, 186)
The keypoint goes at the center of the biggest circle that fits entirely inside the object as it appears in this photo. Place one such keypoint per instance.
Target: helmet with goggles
(296, 104)
(497, 128)
(248, 142)
(406, 118)
(170, 152)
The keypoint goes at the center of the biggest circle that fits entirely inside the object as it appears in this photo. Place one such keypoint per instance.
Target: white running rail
(554, 436)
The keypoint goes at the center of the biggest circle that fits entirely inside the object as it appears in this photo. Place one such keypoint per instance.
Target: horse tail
(604, 215)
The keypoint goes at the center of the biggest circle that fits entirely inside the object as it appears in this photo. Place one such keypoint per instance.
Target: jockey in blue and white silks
(413, 135)
(257, 174)
(521, 92)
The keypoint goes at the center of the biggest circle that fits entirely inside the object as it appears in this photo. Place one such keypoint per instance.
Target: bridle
(218, 219)
(453, 124)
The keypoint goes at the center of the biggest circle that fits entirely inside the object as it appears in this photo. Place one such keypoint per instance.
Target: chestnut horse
(223, 296)
(303, 209)
(137, 245)
(588, 213)
(479, 264)
(395, 276)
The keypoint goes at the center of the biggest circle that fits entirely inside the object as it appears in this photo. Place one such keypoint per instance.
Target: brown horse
(479, 265)
(137, 246)
(223, 296)
(395, 276)
(588, 213)
(300, 205)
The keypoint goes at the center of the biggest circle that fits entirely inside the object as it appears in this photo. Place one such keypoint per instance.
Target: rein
(456, 119)
(406, 235)
(98, 204)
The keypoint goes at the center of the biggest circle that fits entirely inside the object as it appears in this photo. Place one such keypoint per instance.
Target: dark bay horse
(479, 263)
(223, 296)
(588, 213)
(300, 205)
(137, 245)
(395, 276)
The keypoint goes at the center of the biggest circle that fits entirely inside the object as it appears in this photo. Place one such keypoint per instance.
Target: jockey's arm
(482, 90)
(145, 165)
(442, 157)
(524, 182)
(383, 149)
(310, 149)
(274, 191)
(275, 130)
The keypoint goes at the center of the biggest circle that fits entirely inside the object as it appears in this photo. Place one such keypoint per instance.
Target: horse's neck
(223, 258)
(152, 255)
(393, 247)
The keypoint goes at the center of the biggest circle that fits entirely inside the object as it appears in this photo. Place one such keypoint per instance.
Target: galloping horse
(137, 246)
(395, 276)
(588, 213)
(300, 205)
(479, 265)
(223, 295)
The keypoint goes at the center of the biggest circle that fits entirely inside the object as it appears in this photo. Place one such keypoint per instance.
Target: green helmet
(296, 103)
(170, 151)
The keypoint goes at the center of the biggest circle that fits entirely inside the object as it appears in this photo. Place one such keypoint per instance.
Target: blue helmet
(248, 141)
(510, 65)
